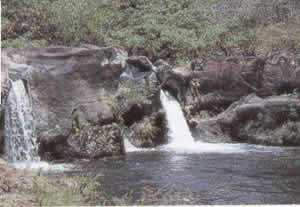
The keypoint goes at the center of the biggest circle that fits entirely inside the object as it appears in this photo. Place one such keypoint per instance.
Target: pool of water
(258, 175)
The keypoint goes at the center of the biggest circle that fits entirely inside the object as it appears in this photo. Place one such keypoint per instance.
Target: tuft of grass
(66, 190)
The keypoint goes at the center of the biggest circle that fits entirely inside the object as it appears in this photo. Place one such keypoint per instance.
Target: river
(257, 176)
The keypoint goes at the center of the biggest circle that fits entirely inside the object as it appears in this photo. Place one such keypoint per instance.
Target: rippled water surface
(257, 176)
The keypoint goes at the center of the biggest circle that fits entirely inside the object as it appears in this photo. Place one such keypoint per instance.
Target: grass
(174, 30)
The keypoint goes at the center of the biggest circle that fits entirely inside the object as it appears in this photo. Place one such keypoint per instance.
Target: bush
(174, 30)
(128, 94)
(28, 20)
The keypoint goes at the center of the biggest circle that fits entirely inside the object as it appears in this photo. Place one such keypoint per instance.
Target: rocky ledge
(87, 99)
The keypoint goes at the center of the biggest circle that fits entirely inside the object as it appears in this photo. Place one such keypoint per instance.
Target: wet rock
(140, 62)
(175, 82)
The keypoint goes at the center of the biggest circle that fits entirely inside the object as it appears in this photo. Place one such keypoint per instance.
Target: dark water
(253, 177)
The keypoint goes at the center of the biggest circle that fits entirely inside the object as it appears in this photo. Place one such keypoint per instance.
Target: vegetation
(174, 30)
(27, 188)
(128, 94)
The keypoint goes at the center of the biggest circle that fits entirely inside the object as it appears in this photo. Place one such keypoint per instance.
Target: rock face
(86, 98)
(223, 82)
(68, 84)
(141, 112)
(271, 121)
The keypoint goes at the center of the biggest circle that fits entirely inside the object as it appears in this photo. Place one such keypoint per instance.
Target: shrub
(26, 21)
(129, 93)
(174, 30)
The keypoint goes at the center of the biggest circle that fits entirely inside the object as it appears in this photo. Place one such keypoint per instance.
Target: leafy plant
(129, 93)
(174, 30)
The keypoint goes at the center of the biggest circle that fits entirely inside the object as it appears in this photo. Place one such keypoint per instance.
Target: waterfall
(181, 139)
(20, 140)
(179, 131)
(130, 147)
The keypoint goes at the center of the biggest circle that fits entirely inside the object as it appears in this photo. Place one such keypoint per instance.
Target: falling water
(20, 139)
(130, 147)
(179, 131)
(181, 139)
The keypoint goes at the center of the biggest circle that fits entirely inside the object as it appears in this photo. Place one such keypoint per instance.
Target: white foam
(43, 166)
(181, 137)
(130, 147)
(20, 139)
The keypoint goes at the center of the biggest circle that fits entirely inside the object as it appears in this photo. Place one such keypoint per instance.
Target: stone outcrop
(274, 120)
(141, 107)
(223, 82)
(67, 84)
(86, 98)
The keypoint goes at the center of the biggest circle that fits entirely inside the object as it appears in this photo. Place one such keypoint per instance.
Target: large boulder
(273, 120)
(67, 84)
(139, 107)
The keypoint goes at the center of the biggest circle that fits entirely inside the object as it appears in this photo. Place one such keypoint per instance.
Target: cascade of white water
(20, 140)
(130, 147)
(181, 139)
(179, 131)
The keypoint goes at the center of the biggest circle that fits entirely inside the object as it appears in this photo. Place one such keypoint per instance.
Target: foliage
(28, 20)
(129, 93)
(289, 133)
(146, 129)
(77, 190)
(174, 30)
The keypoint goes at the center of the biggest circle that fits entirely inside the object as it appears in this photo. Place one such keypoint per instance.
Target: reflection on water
(257, 177)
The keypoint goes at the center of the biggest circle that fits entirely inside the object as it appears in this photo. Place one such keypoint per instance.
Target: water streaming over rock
(130, 147)
(181, 139)
(179, 131)
(20, 139)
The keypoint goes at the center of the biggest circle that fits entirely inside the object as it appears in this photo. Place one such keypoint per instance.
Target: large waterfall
(20, 139)
(181, 139)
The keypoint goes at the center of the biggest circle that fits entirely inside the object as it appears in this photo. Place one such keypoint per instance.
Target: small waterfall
(130, 147)
(178, 129)
(181, 137)
(20, 140)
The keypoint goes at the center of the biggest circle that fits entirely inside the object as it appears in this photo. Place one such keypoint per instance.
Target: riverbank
(23, 187)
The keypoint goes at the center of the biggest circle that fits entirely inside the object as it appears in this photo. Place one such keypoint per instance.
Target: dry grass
(27, 188)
